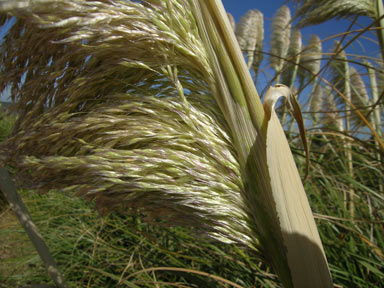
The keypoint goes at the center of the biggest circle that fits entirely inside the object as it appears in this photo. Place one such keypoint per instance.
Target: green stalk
(342, 73)
(376, 116)
(375, 99)
(228, 48)
(348, 148)
(18, 207)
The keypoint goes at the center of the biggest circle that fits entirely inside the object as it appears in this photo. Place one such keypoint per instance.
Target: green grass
(6, 123)
(354, 247)
(94, 251)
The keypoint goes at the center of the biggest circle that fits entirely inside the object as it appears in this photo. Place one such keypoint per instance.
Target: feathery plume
(295, 44)
(311, 12)
(281, 32)
(294, 54)
(232, 21)
(134, 136)
(87, 45)
(258, 53)
(340, 70)
(248, 33)
(317, 96)
(331, 118)
(359, 94)
(311, 57)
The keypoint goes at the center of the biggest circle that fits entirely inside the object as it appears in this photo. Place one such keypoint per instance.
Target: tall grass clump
(149, 110)
(7, 122)
(281, 33)
(150, 106)
(117, 249)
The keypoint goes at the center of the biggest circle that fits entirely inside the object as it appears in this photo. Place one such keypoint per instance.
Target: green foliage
(346, 158)
(6, 123)
(98, 251)
(354, 247)
(94, 251)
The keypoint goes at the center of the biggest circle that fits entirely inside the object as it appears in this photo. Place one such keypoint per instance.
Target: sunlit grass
(94, 251)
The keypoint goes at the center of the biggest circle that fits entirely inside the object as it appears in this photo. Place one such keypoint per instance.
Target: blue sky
(239, 7)
(269, 7)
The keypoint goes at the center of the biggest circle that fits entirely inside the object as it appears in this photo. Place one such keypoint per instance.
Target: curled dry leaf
(300, 235)
(273, 94)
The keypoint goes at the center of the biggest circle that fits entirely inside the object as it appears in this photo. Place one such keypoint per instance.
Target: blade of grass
(17, 205)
